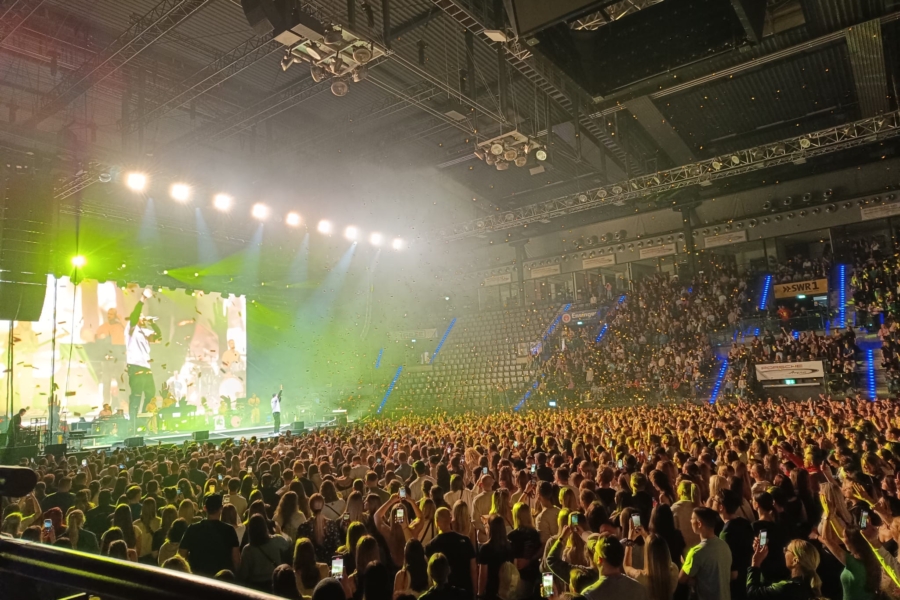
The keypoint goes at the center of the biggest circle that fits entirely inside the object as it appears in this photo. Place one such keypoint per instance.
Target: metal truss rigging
(16, 14)
(792, 150)
(541, 75)
(212, 75)
(165, 16)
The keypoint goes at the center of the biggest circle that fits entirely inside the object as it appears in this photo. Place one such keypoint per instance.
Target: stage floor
(261, 432)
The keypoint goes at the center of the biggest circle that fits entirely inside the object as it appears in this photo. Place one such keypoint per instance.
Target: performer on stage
(139, 334)
(276, 409)
(15, 426)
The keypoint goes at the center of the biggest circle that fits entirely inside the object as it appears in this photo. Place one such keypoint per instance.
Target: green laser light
(78, 261)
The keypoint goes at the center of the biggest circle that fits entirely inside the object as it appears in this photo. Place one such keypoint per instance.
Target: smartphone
(403, 492)
(122, 467)
(83, 462)
(337, 567)
(515, 444)
(546, 585)
(863, 519)
(48, 525)
(220, 477)
(635, 520)
(620, 464)
(398, 516)
(533, 469)
(346, 517)
(573, 519)
(378, 460)
(763, 538)
(249, 469)
(484, 471)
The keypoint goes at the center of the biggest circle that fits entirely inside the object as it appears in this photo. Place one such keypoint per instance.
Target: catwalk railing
(76, 572)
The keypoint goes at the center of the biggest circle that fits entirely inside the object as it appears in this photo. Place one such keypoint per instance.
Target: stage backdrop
(202, 353)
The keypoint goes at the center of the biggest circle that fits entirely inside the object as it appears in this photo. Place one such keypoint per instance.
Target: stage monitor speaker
(297, 427)
(200, 436)
(27, 219)
(134, 442)
(56, 450)
(13, 454)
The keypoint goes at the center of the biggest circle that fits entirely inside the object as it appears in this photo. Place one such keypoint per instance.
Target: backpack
(509, 582)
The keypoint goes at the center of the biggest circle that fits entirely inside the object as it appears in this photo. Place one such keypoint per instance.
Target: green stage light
(78, 261)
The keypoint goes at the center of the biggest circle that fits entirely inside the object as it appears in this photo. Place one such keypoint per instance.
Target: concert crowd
(762, 500)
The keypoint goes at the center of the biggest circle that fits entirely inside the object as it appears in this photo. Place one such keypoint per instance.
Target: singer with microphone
(276, 409)
(140, 333)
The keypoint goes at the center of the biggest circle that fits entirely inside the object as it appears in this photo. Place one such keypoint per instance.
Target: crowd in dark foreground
(768, 500)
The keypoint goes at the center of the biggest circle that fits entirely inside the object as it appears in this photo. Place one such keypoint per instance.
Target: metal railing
(107, 577)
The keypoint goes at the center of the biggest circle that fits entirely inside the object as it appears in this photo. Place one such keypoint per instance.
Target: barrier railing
(107, 577)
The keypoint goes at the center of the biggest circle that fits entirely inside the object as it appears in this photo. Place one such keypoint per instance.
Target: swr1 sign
(801, 288)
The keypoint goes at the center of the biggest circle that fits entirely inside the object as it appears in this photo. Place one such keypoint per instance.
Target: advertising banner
(794, 370)
(815, 287)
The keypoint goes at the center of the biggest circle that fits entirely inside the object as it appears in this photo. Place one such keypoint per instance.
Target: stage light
(180, 192)
(260, 211)
(136, 182)
(541, 154)
(222, 201)
(78, 261)
(351, 233)
(375, 239)
(325, 227)
(397, 244)
(293, 219)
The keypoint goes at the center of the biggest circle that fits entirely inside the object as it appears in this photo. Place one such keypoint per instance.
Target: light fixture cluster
(335, 53)
(511, 148)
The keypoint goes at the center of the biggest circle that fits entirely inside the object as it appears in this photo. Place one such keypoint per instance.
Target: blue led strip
(390, 389)
(378, 360)
(719, 380)
(443, 339)
(870, 373)
(842, 296)
(526, 396)
(601, 333)
(764, 295)
(556, 321)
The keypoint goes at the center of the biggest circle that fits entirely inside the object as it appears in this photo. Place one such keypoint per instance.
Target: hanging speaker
(27, 214)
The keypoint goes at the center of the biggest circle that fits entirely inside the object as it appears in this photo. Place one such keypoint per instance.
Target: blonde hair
(500, 503)
(658, 560)
(522, 516)
(807, 561)
(462, 519)
(568, 499)
(686, 490)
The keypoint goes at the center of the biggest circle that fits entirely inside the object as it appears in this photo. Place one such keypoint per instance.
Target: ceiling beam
(165, 16)
(660, 130)
(16, 14)
(212, 75)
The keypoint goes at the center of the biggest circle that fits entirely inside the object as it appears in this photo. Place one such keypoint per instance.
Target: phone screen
(484, 470)
(863, 519)
(249, 469)
(83, 462)
(546, 585)
(345, 517)
(515, 444)
(533, 469)
(48, 524)
(220, 477)
(399, 515)
(403, 492)
(763, 538)
(122, 467)
(337, 566)
(620, 464)
(573, 519)
(636, 520)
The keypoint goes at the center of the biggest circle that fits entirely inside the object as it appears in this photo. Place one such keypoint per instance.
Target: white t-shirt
(137, 346)
(276, 404)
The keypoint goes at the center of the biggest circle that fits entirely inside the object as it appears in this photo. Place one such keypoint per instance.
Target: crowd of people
(874, 283)
(742, 500)
(656, 345)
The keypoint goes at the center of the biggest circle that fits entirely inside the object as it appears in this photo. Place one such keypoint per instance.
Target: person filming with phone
(801, 558)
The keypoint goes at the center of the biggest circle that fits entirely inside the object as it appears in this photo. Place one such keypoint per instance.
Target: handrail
(111, 578)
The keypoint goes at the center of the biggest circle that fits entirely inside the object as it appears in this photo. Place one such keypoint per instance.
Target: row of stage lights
(182, 192)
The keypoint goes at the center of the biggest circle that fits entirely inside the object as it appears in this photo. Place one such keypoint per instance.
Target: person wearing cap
(211, 545)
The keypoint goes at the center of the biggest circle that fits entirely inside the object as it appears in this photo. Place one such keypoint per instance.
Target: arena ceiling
(76, 84)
